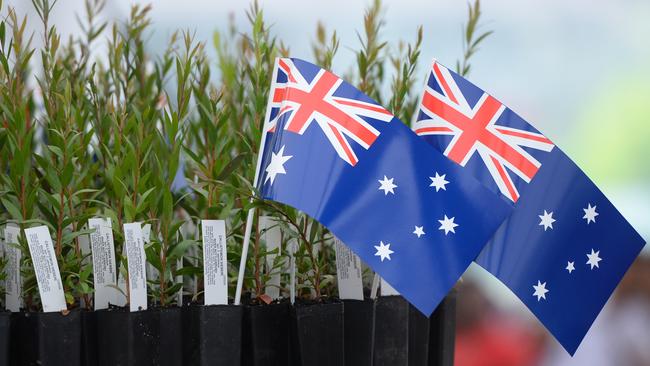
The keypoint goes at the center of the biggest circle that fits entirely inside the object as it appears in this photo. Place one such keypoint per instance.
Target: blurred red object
(485, 337)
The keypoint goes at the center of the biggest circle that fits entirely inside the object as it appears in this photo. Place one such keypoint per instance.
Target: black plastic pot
(127, 338)
(391, 339)
(5, 330)
(170, 347)
(45, 339)
(442, 332)
(418, 353)
(24, 339)
(317, 334)
(88, 338)
(358, 325)
(212, 333)
(59, 338)
(266, 335)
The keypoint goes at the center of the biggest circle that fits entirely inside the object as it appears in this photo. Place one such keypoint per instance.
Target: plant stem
(312, 259)
(310, 249)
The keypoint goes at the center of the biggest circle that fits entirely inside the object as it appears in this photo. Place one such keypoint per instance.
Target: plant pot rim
(199, 305)
(319, 302)
(257, 304)
(62, 313)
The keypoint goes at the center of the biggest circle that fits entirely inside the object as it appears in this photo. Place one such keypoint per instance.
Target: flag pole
(244, 254)
(251, 211)
(292, 273)
(375, 286)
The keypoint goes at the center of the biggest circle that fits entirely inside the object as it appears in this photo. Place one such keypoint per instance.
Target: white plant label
(387, 289)
(84, 247)
(146, 233)
(292, 247)
(194, 259)
(152, 272)
(135, 256)
(189, 230)
(179, 279)
(272, 236)
(46, 268)
(120, 295)
(13, 283)
(104, 269)
(348, 272)
(3, 254)
(315, 252)
(215, 270)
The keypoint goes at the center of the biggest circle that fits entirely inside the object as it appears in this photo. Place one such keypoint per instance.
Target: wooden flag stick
(244, 254)
(375, 287)
(292, 279)
(251, 211)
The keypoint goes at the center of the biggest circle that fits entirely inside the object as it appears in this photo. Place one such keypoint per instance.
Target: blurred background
(577, 70)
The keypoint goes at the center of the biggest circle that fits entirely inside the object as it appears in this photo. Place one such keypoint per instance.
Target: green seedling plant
(472, 37)
(167, 246)
(65, 167)
(125, 96)
(19, 182)
(213, 166)
(111, 135)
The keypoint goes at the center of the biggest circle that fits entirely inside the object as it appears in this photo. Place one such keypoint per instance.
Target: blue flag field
(565, 247)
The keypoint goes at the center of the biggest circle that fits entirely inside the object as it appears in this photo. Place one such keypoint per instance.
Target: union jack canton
(300, 103)
(479, 125)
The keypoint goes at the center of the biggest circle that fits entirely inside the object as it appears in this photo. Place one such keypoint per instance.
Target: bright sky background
(577, 70)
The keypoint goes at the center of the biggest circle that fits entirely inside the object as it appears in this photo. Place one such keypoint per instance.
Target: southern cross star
(570, 266)
(447, 224)
(439, 182)
(590, 213)
(540, 290)
(547, 220)
(593, 259)
(419, 231)
(387, 185)
(383, 251)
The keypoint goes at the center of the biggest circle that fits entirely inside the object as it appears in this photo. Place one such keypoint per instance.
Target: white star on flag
(387, 185)
(276, 166)
(590, 213)
(547, 220)
(439, 182)
(593, 259)
(419, 231)
(540, 290)
(383, 251)
(447, 224)
(570, 266)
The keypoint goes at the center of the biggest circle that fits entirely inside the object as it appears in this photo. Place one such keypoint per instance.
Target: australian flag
(412, 215)
(565, 247)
